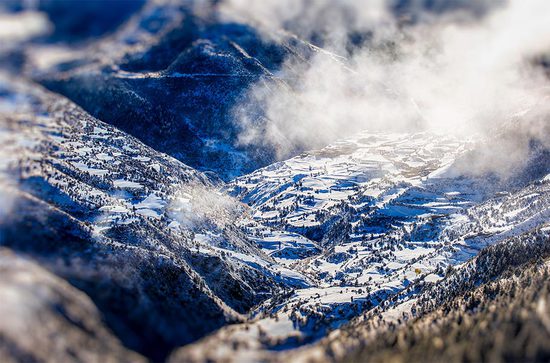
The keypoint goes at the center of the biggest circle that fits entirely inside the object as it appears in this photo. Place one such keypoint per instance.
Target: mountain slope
(171, 260)
(368, 271)
(31, 294)
(381, 246)
(497, 302)
(173, 76)
(149, 239)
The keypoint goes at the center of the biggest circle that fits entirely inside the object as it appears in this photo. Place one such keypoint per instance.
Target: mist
(471, 70)
(7, 182)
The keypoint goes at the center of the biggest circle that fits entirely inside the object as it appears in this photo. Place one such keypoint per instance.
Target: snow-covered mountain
(136, 226)
(429, 218)
(497, 299)
(182, 70)
(117, 218)
(38, 306)
(288, 253)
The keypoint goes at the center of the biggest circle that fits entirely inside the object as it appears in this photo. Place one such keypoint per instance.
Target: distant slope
(362, 272)
(172, 77)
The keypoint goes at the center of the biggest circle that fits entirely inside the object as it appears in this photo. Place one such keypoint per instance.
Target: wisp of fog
(468, 70)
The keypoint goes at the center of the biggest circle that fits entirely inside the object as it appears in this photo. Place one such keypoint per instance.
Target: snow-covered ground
(318, 239)
(384, 211)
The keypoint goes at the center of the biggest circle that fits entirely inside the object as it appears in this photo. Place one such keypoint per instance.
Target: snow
(104, 157)
(126, 184)
(151, 202)
(406, 181)
(155, 167)
(92, 171)
(148, 213)
(130, 149)
(403, 216)
(100, 130)
(114, 209)
(174, 225)
(432, 278)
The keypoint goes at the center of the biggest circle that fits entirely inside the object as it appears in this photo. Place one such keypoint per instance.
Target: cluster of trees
(489, 310)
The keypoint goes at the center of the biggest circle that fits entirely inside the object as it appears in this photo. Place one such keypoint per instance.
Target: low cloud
(21, 26)
(467, 71)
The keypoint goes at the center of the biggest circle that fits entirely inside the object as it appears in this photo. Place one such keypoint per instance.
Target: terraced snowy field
(409, 216)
